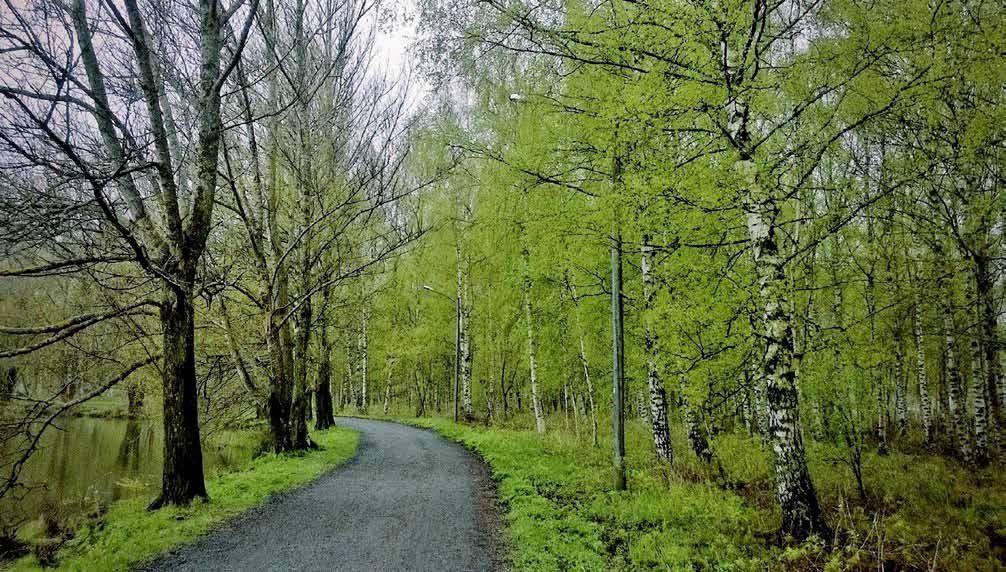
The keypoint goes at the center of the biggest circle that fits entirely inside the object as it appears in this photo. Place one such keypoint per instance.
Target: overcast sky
(392, 54)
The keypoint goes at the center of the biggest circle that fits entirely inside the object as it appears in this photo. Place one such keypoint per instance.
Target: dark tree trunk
(279, 392)
(182, 478)
(323, 391)
(8, 381)
(300, 440)
(134, 395)
(323, 395)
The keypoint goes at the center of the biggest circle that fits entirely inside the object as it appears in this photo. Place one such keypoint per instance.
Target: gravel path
(409, 500)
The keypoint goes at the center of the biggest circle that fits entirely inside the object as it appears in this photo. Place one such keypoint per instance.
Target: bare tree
(94, 97)
(316, 172)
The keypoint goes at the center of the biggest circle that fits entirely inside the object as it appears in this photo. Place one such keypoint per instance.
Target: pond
(104, 460)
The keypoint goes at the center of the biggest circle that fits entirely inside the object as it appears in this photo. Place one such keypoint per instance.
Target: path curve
(409, 500)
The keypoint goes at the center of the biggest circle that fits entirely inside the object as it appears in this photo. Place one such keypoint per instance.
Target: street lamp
(617, 315)
(457, 342)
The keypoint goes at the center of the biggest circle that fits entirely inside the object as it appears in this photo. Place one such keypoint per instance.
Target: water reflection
(100, 459)
(128, 460)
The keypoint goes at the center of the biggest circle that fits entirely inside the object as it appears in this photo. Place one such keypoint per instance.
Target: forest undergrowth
(922, 512)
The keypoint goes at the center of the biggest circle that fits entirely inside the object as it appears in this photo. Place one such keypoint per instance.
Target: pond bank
(128, 534)
(84, 463)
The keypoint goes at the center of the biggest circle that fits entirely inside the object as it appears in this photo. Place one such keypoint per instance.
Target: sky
(392, 53)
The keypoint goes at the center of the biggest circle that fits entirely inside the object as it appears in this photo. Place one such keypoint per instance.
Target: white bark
(364, 344)
(794, 490)
(658, 395)
(954, 402)
(539, 418)
(693, 431)
(585, 365)
(464, 334)
(565, 406)
(980, 406)
(576, 412)
(920, 372)
(590, 391)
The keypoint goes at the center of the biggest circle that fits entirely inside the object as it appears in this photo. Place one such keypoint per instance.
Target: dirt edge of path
(490, 510)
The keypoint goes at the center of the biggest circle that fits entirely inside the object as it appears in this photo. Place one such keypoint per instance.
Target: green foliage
(128, 534)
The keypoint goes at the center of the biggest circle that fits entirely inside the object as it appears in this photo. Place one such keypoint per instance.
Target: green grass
(923, 512)
(562, 514)
(128, 534)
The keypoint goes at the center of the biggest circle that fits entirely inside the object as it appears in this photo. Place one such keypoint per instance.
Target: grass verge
(128, 535)
(923, 513)
(562, 515)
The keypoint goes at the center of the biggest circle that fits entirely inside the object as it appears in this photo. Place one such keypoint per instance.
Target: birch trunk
(464, 334)
(955, 404)
(920, 373)
(881, 420)
(590, 392)
(977, 385)
(585, 365)
(539, 418)
(875, 378)
(576, 412)
(364, 343)
(794, 489)
(759, 403)
(658, 395)
(693, 430)
(565, 406)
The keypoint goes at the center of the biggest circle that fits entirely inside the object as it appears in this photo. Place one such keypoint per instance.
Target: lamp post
(457, 342)
(617, 341)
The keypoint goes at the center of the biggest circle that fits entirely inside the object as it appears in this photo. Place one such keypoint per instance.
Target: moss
(129, 535)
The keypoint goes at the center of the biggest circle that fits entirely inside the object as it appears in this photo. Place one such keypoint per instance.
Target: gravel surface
(409, 500)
